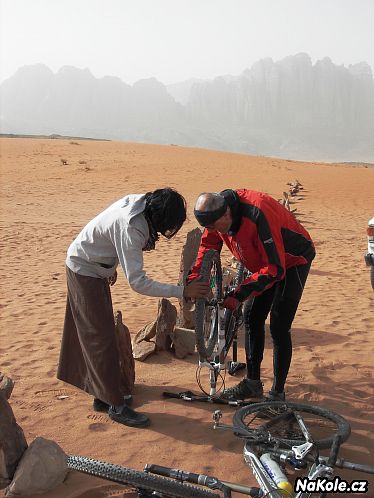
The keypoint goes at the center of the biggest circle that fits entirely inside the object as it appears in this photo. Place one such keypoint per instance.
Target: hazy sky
(174, 40)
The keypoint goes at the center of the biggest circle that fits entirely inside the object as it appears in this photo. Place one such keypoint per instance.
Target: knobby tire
(204, 345)
(231, 317)
(137, 479)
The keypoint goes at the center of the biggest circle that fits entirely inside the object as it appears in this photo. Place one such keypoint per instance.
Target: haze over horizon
(174, 41)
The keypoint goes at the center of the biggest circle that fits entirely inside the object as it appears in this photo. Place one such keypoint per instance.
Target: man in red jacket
(278, 252)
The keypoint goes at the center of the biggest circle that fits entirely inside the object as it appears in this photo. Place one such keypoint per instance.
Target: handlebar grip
(179, 475)
(359, 467)
(168, 394)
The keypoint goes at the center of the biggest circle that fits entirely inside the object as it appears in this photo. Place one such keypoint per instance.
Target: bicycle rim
(206, 327)
(139, 480)
(276, 418)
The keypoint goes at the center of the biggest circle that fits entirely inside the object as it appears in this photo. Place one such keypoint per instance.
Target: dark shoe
(275, 396)
(129, 417)
(247, 388)
(101, 406)
(274, 411)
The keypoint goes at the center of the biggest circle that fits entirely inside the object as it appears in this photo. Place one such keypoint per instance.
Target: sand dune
(43, 206)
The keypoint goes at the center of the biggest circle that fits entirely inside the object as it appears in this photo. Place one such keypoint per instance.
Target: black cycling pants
(281, 300)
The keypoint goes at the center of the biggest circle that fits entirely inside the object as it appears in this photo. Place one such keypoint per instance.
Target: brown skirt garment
(89, 357)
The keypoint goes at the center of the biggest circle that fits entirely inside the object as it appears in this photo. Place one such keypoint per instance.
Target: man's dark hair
(166, 210)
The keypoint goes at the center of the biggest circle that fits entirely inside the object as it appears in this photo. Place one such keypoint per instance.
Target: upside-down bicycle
(216, 327)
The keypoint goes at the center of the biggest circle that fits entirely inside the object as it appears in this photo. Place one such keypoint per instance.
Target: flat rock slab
(143, 349)
(165, 323)
(183, 341)
(147, 333)
(42, 468)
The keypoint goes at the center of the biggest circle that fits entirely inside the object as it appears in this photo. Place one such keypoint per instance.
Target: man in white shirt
(119, 235)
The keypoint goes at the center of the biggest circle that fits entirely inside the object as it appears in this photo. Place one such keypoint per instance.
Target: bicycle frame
(299, 456)
(318, 469)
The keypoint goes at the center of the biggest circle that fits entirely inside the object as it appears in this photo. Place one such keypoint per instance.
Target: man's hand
(231, 303)
(196, 289)
(112, 279)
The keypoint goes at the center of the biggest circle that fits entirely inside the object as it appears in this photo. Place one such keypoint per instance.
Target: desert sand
(44, 204)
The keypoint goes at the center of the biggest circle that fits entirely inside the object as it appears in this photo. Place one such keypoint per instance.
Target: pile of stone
(294, 189)
(26, 470)
(163, 335)
(172, 330)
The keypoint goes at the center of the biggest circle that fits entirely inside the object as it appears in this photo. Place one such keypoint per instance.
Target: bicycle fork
(218, 363)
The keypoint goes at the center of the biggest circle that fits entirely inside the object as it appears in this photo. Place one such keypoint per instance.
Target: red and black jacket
(264, 236)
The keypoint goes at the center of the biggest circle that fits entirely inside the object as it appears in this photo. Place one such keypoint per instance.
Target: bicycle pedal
(235, 367)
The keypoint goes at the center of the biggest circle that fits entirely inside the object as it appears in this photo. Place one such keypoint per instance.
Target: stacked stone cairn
(172, 330)
(293, 191)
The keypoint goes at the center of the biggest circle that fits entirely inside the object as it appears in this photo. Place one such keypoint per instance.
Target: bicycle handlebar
(181, 475)
(340, 463)
(202, 480)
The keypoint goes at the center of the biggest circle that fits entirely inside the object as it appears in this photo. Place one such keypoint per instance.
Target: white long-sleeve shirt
(117, 236)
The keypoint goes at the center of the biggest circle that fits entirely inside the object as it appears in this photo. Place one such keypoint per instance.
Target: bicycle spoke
(284, 427)
(206, 328)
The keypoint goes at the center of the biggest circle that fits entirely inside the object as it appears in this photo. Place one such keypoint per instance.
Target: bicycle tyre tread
(136, 478)
(206, 350)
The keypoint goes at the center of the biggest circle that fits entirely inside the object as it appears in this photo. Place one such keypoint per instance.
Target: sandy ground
(44, 204)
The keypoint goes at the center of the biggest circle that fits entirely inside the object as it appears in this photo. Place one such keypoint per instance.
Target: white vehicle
(369, 257)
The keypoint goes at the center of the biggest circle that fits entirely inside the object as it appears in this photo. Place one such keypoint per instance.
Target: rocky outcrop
(127, 363)
(12, 439)
(43, 467)
(6, 386)
(288, 108)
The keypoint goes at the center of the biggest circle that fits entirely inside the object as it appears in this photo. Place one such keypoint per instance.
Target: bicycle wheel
(234, 319)
(206, 323)
(276, 418)
(231, 321)
(139, 480)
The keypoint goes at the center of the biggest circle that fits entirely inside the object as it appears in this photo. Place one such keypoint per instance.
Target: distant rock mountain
(289, 108)
(181, 92)
(74, 102)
